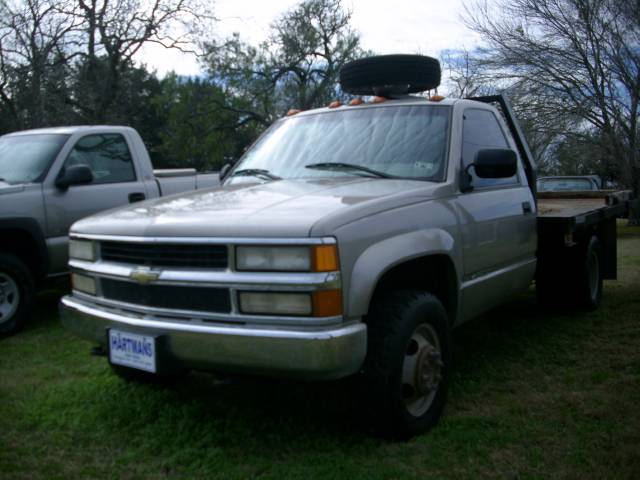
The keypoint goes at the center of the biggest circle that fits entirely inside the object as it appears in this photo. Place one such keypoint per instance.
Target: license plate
(132, 350)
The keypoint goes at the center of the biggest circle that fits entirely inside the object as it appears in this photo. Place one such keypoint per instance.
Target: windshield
(408, 141)
(25, 158)
(564, 184)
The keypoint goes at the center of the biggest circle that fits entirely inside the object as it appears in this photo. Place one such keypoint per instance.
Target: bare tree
(34, 36)
(114, 31)
(465, 75)
(582, 57)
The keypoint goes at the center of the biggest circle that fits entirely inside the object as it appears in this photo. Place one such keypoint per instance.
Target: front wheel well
(435, 274)
(22, 244)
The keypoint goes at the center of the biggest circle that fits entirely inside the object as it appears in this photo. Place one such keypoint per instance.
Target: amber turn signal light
(327, 303)
(324, 258)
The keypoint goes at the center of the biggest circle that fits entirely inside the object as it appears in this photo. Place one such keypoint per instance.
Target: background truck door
(115, 182)
(498, 222)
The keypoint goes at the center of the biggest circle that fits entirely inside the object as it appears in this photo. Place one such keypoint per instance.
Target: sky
(385, 26)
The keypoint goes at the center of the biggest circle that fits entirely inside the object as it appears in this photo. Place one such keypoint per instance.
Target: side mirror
(496, 163)
(490, 163)
(74, 175)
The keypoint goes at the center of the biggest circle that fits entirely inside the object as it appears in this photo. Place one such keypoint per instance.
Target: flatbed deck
(573, 210)
(567, 220)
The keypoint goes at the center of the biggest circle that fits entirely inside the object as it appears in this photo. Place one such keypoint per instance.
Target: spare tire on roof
(390, 74)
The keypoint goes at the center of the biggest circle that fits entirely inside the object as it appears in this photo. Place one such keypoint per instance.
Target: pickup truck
(568, 183)
(347, 241)
(49, 178)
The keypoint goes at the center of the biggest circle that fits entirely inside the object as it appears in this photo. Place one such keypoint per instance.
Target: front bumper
(307, 354)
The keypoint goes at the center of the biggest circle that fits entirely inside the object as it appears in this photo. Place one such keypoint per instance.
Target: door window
(107, 155)
(481, 130)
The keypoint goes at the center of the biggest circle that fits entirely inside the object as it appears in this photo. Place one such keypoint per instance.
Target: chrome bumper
(317, 354)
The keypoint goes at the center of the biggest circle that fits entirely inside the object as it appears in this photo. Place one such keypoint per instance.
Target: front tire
(17, 290)
(406, 372)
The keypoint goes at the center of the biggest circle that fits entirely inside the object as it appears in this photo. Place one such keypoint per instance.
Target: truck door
(115, 182)
(497, 219)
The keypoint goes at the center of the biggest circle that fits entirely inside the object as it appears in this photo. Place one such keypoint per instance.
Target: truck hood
(284, 208)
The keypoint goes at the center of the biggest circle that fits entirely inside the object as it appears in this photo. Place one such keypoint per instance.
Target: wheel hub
(422, 370)
(429, 371)
(9, 297)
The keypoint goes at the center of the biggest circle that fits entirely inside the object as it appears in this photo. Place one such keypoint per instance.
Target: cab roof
(70, 130)
(404, 100)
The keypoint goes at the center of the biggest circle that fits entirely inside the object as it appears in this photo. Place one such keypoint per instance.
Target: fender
(32, 228)
(381, 257)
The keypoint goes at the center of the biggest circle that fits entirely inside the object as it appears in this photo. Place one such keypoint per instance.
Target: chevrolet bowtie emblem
(144, 275)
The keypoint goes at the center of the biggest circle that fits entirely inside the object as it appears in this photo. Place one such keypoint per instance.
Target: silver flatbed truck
(348, 241)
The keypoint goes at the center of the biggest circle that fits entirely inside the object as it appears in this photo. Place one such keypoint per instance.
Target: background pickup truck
(348, 240)
(52, 177)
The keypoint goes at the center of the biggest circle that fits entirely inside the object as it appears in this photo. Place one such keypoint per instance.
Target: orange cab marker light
(356, 101)
(378, 99)
(436, 98)
(325, 258)
(327, 303)
(335, 104)
(292, 112)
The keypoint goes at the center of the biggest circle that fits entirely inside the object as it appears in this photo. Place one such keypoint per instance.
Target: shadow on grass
(45, 311)
(266, 417)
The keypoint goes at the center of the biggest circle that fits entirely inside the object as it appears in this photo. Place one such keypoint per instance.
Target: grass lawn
(534, 395)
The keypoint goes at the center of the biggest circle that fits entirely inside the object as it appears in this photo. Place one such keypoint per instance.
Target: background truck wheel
(588, 281)
(406, 372)
(376, 75)
(140, 376)
(17, 289)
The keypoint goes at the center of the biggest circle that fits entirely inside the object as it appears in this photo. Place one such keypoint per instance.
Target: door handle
(136, 197)
(526, 208)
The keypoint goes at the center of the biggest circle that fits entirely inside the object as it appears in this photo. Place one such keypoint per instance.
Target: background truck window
(107, 155)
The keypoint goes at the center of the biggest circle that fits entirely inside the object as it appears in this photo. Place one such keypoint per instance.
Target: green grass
(534, 395)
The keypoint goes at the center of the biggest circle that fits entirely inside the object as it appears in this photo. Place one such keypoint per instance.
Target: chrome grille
(166, 255)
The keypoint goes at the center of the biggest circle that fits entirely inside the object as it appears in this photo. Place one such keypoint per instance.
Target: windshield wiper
(255, 172)
(348, 166)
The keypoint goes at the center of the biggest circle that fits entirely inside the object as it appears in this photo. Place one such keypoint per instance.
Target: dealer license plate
(132, 350)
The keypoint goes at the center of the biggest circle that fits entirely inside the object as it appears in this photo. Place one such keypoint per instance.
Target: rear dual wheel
(406, 373)
(574, 281)
(588, 289)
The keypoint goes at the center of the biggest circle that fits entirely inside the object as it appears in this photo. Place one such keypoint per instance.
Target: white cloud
(400, 26)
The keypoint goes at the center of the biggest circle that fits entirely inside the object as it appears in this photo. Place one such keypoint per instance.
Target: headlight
(317, 258)
(276, 303)
(83, 283)
(322, 303)
(82, 250)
